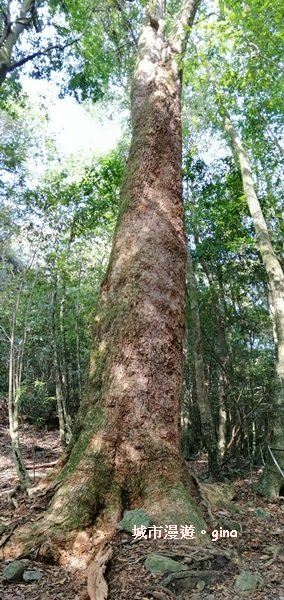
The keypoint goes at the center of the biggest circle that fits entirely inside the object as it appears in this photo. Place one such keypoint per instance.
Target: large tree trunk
(271, 481)
(126, 451)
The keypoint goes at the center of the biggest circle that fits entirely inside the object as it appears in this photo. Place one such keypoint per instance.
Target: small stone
(230, 524)
(30, 576)
(137, 517)
(157, 563)
(200, 585)
(220, 561)
(248, 582)
(13, 571)
(261, 513)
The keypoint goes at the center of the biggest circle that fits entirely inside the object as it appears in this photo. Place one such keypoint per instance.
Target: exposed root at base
(82, 540)
(129, 576)
(96, 584)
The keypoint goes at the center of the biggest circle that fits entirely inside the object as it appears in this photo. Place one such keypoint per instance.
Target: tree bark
(271, 480)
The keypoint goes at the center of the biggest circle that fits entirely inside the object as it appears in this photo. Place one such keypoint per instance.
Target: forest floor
(211, 575)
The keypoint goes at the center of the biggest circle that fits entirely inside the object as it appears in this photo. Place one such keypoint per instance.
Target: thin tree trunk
(15, 379)
(78, 343)
(63, 367)
(64, 429)
(15, 376)
(223, 358)
(272, 478)
(207, 424)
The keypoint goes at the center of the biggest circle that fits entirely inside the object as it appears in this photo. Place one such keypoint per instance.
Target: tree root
(206, 574)
(96, 584)
(206, 504)
(163, 594)
(10, 529)
(86, 501)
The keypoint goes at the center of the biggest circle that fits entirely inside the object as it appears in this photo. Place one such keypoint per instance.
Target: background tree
(238, 67)
(65, 224)
(233, 307)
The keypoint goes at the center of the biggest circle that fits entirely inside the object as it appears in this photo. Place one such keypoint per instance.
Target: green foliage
(89, 44)
(233, 303)
(55, 238)
(234, 61)
(36, 405)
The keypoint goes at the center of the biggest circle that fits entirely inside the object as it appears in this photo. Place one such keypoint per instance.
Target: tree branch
(118, 5)
(24, 60)
(182, 24)
(5, 333)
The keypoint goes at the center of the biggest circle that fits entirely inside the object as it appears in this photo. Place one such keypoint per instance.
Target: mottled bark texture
(271, 480)
(126, 451)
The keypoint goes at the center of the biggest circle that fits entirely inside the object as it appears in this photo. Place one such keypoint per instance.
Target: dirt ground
(259, 546)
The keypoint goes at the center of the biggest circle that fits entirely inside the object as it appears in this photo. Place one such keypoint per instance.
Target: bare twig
(275, 462)
(41, 465)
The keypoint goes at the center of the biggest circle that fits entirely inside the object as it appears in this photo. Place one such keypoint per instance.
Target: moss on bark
(172, 504)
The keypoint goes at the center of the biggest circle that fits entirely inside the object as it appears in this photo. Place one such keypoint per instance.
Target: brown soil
(259, 547)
